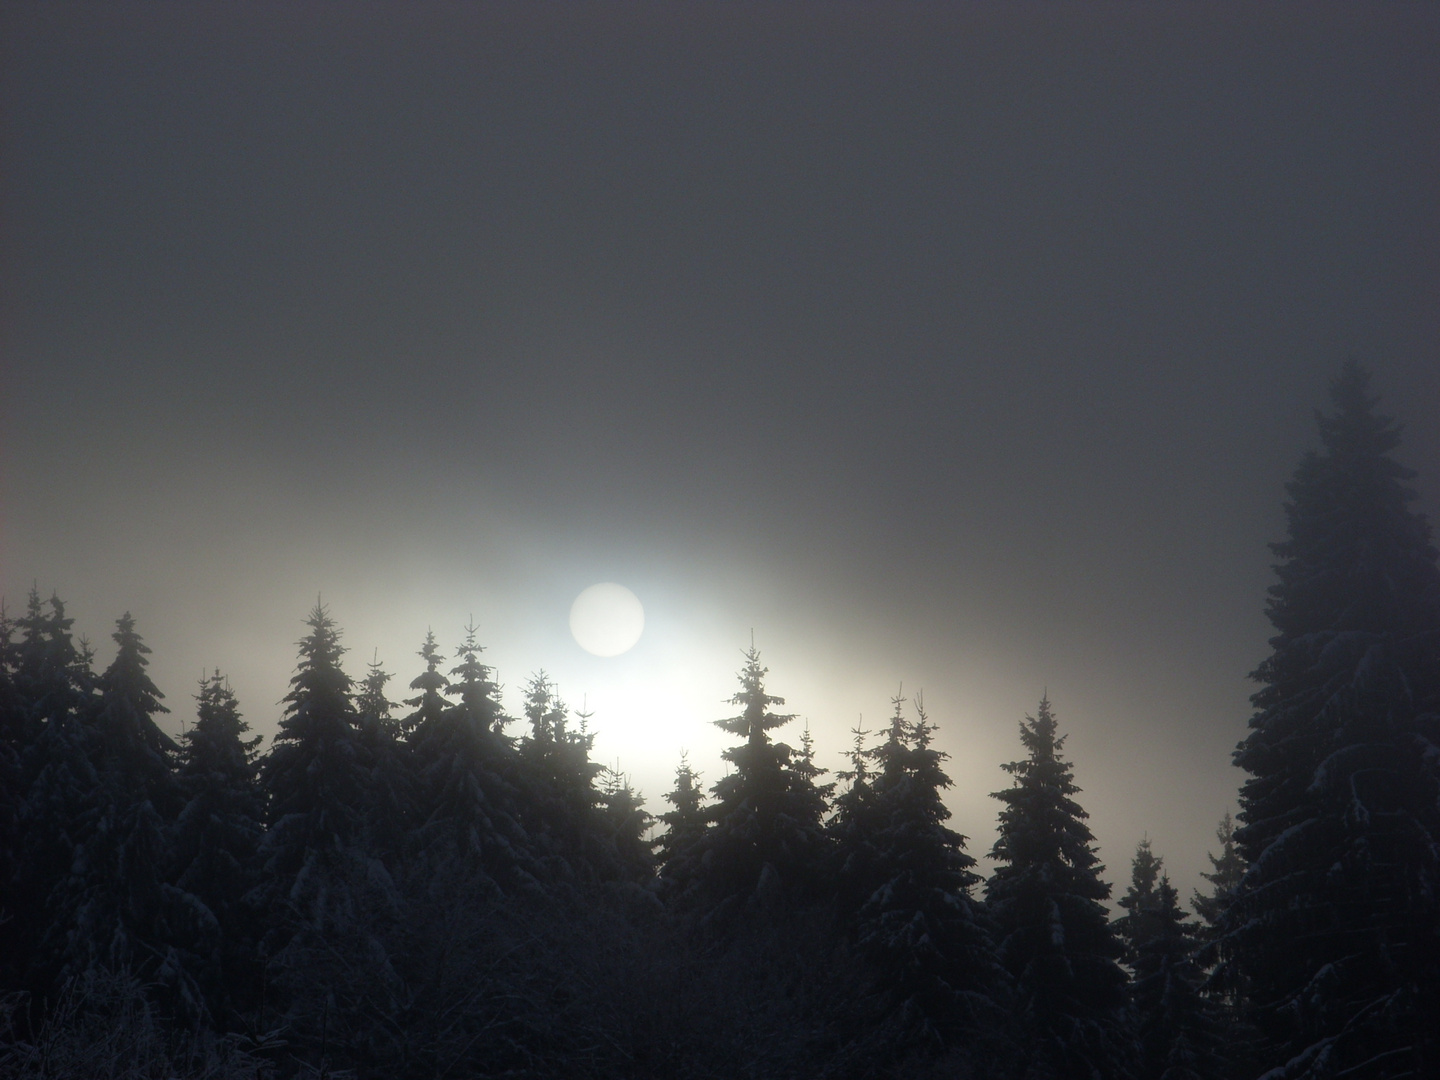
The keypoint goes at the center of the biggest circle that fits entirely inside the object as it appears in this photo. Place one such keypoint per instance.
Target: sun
(607, 619)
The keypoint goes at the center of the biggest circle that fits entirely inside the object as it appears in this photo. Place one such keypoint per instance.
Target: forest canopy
(412, 883)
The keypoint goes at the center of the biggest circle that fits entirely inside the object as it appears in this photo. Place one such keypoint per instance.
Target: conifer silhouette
(1054, 934)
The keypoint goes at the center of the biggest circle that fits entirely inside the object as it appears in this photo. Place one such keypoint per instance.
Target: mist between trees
(426, 887)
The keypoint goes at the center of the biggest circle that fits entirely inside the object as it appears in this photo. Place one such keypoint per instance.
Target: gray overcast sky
(963, 345)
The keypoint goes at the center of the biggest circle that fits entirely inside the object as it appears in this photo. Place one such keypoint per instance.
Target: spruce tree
(1179, 1033)
(1046, 897)
(685, 823)
(1333, 927)
(1139, 900)
(116, 906)
(214, 845)
(62, 796)
(558, 754)
(12, 743)
(926, 939)
(1226, 871)
(466, 770)
(563, 804)
(472, 682)
(430, 703)
(853, 827)
(766, 844)
(392, 782)
(626, 823)
(316, 779)
(1223, 984)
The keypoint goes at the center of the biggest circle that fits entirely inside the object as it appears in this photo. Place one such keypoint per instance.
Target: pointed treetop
(756, 719)
(126, 674)
(319, 679)
(474, 683)
(215, 742)
(371, 702)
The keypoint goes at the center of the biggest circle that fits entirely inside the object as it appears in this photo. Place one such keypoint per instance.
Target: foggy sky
(968, 346)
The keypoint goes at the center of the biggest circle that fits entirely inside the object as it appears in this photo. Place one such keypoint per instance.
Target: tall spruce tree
(852, 827)
(392, 782)
(1225, 873)
(1139, 900)
(12, 743)
(1054, 934)
(62, 796)
(430, 703)
(1223, 985)
(117, 905)
(466, 768)
(1334, 926)
(766, 843)
(214, 844)
(563, 803)
(1180, 1035)
(626, 823)
(685, 822)
(927, 942)
(316, 779)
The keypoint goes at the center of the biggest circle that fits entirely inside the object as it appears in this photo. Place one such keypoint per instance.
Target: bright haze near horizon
(964, 347)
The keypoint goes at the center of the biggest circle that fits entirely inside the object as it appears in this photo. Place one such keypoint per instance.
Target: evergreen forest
(409, 883)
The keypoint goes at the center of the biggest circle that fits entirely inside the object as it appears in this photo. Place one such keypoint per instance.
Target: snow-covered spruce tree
(1335, 928)
(766, 843)
(392, 783)
(1139, 900)
(1054, 934)
(61, 796)
(626, 822)
(935, 971)
(12, 742)
(1223, 984)
(120, 911)
(852, 827)
(685, 823)
(808, 771)
(430, 703)
(213, 847)
(316, 780)
(558, 755)
(1180, 1034)
(470, 827)
(1226, 871)
(567, 811)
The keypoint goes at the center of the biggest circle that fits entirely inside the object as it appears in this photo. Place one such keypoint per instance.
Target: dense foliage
(420, 892)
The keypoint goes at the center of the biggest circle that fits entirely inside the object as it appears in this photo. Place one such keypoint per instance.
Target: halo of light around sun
(607, 619)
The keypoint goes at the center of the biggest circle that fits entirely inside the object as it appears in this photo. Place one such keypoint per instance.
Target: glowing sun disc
(607, 619)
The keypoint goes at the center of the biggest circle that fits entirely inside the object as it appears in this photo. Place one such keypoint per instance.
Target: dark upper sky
(964, 345)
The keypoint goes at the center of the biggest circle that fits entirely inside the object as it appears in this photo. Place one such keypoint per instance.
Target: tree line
(427, 887)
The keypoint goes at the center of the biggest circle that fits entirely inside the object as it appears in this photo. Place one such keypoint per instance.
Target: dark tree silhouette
(1054, 934)
(116, 904)
(766, 845)
(625, 824)
(1139, 900)
(60, 794)
(934, 963)
(466, 767)
(1226, 871)
(389, 818)
(316, 778)
(430, 703)
(685, 823)
(213, 848)
(1180, 1034)
(1333, 928)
